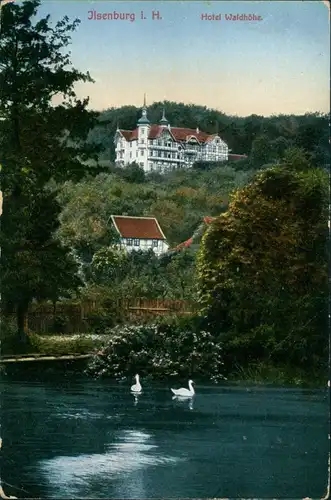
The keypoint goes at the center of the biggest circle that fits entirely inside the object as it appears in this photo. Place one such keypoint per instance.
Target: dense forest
(276, 133)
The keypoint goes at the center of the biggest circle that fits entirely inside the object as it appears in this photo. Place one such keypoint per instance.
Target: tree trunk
(21, 316)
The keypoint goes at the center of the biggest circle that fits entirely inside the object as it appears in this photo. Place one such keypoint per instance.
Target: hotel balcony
(191, 151)
(165, 148)
(161, 158)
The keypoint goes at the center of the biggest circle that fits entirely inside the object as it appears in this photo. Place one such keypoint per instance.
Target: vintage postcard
(165, 172)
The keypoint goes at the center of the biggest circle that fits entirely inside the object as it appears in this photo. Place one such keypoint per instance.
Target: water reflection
(129, 456)
(135, 399)
(185, 399)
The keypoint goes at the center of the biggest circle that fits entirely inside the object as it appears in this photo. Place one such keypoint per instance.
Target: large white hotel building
(162, 147)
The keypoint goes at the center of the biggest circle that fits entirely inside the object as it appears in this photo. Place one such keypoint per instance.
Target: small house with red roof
(161, 147)
(140, 233)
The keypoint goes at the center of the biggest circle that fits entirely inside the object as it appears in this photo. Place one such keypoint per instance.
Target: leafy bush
(172, 349)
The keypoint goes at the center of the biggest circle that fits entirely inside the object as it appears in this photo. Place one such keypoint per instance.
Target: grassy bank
(56, 344)
(67, 344)
(261, 373)
(266, 373)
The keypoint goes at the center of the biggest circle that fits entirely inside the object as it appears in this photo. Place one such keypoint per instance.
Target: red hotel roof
(138, 227)
(179, 134)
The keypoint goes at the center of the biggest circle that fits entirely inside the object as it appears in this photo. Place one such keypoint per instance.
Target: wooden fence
(46, 318)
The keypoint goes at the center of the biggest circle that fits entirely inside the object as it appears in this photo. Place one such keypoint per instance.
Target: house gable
(146, 228)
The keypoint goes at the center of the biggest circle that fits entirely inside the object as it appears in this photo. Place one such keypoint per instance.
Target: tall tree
(39, 141)
(261, 152)
(263, 265)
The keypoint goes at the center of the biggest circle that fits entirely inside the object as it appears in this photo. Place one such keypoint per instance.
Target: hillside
(180, 199)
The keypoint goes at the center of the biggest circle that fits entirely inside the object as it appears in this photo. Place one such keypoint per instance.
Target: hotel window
(142, 141)
(130, 154)
(130, 144)
(169, 155)
(155, 243)
(141, 153)
(169, 144)
(136, 243)
(129, 242)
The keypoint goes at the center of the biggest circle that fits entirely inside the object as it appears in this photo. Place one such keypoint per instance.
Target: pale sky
(280, 64)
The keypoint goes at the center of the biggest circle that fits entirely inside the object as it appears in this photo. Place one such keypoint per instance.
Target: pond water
(94, 439)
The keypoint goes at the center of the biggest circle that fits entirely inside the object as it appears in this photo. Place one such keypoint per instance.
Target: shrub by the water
(174, 349)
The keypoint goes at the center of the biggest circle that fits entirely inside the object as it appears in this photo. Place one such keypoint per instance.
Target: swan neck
(191, 387)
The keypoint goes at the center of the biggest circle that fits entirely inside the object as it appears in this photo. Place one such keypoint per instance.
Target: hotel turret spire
(144, 120)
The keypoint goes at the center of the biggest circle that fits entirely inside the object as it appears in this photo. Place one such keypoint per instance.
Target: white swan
(185, 392)
(137, 386)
